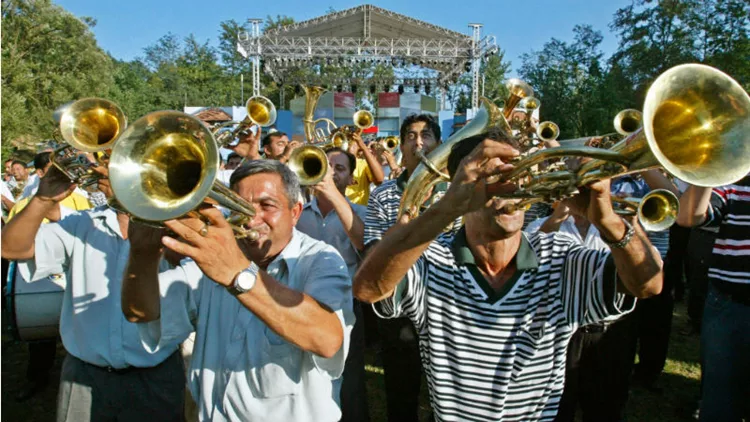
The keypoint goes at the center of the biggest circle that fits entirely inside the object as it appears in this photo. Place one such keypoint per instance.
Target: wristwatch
(629, 232)
(245, 280)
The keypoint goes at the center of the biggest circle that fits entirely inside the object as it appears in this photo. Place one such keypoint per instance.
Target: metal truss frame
(448, 54)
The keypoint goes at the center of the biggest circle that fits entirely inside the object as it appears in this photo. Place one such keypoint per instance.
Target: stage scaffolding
(368, 34)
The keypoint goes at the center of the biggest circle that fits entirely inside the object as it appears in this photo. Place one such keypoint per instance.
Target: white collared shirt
(330, 230)
(241, 369)
(592, 241)
(89, 248)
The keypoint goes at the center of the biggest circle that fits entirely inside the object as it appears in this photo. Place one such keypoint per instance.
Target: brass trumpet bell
(91, 124)
(656, 211)
(363, 119)
(165, 165)
(628, 121)
(518, 90)
(697, 123)
(309, 163)
(261, 111)
(547, 131)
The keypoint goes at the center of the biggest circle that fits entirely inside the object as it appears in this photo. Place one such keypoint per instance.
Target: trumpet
(165, 165)
(260, 111)
(88, 125)
(656, 211)
(309, 163)
(695, 125)
(547, 131)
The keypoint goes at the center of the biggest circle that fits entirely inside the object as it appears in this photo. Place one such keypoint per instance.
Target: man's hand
(217, 253)
(290, 147)
(248, 145)
(54, 186)
(326, 187)
(594, 202)
(357, 137)
(469, 189)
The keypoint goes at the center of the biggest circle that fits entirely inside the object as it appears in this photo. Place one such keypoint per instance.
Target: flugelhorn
(656, 211)
(260, 111)
(165, 165)
(86, 125)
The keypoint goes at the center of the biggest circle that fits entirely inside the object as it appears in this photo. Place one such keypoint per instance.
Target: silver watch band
(629, 232)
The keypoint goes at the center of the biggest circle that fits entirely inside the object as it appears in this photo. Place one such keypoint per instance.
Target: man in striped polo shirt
(494, 309)
(399, 340)
(725, 334)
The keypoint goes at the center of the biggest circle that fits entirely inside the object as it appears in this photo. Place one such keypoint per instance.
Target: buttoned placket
(117, 320)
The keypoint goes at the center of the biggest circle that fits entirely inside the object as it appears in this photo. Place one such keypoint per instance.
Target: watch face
(245, 281)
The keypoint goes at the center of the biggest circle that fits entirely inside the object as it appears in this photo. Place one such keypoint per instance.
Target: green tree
(567, 78)
(654, 36)
(494, 71)
(49, 57)
(272, 23)
(723, 38)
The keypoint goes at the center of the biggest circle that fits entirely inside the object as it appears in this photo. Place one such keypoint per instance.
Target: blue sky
(124, 28)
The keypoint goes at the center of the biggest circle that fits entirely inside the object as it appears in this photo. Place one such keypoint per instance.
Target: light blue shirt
(329, 229)
(89, 249)
(241, 369)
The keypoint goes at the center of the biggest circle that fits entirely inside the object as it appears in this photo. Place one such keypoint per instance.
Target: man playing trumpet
(272, 316)
(495, 309)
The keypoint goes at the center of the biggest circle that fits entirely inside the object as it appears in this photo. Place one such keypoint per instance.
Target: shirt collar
(291, 252)
(526, 258)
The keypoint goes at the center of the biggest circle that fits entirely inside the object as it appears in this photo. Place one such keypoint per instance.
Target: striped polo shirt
(383, 206)
(501, 355)
(730, 211)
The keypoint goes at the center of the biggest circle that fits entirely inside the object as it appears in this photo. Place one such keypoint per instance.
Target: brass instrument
(547, 131)
(260, 111)
(389, 143)
(430, 172)
(309, 163)
(656, 211)
(518, 90)
(313, 134)
(88, 125)
(695, 124)
(165, 165)
(628, 121)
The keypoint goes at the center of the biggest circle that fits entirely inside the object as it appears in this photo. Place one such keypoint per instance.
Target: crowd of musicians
(510, 315)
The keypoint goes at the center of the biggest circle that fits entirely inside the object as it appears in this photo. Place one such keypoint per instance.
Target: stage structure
(371, 34)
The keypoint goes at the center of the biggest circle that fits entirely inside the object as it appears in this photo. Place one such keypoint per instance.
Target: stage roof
(367, 21)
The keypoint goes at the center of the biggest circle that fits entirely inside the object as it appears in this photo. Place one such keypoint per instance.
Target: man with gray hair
(272, 316)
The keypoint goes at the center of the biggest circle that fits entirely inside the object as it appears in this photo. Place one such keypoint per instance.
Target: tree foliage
(50, 57)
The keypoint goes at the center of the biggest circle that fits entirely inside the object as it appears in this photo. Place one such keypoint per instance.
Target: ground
(679, 384)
